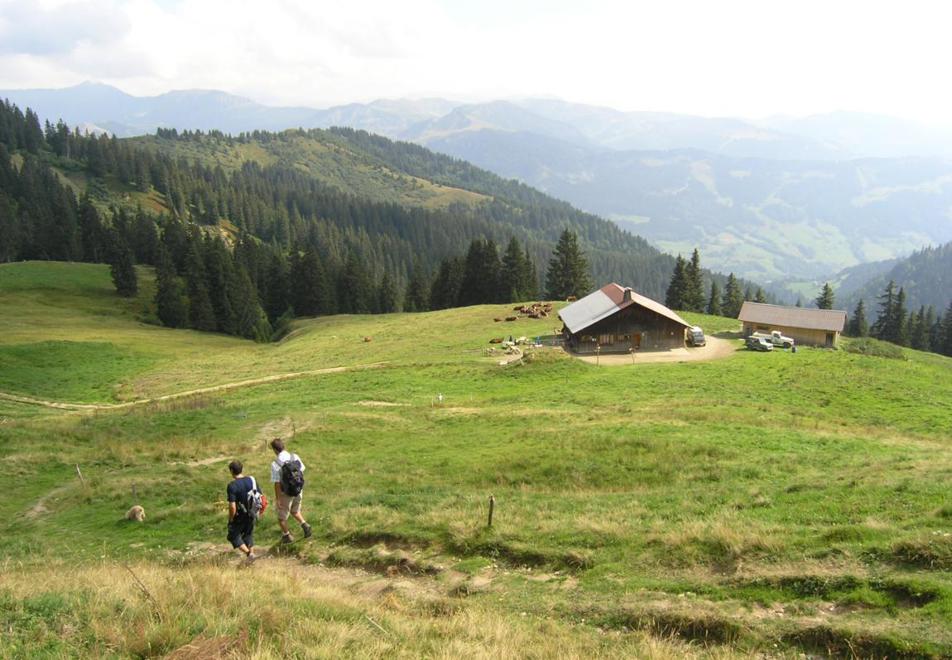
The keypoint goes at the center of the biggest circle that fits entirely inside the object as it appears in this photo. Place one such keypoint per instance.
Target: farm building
(616, 319)
(812, 327)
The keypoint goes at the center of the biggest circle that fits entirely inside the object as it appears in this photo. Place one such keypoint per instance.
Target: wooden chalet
(811, 327)
(616, 319)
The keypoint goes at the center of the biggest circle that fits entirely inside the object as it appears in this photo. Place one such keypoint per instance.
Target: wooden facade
(802, 336)
(806, 326)
(618, 320)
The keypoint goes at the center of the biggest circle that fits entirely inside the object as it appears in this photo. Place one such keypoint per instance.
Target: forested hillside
(317, 222)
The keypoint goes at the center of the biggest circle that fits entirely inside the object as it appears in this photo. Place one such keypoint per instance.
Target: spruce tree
(201, 316)
(568, 273)
(900, 332)
(277, 298)
(826, 298)
(250, 320)
(760, 296)
(530, 276)
(714, 300)
(122, 267)
(170, 301)
(417, 298)
(858, 325)
(733, 299)
(675, 296)
(444, 292)
(355, 289)
(885, 324)
(386, 296)
(944, 344)
(513, 274)
(221, 282)
(693, 284)
(309, 287)
(919, 330)
(481, 275)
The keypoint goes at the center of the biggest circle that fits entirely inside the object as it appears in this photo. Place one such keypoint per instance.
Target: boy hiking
(287, 475)
(245, 504)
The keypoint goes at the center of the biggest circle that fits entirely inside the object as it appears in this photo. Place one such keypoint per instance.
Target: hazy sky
(709, 57)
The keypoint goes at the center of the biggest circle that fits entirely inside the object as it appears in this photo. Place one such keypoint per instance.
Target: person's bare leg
(297, 516)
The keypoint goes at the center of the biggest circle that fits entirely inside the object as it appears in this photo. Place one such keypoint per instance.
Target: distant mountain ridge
(775, 200)
(925, 275)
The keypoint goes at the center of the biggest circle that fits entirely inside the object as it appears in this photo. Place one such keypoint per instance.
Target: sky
(712, 57)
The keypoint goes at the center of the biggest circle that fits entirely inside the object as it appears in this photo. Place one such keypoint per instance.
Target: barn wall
(632, 328)
(802, 336)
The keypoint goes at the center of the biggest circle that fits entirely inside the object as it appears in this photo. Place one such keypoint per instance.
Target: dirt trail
(60, 405)
(717, 348)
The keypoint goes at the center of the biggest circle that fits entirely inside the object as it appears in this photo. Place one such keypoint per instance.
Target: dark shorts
(241, 531)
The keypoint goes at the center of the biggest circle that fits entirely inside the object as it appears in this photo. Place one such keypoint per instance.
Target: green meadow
(760, 505)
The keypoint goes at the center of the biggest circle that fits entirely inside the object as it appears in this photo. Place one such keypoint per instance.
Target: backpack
(255, 502)
(292, 477)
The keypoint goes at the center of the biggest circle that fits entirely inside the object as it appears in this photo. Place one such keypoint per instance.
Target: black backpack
(292, 477)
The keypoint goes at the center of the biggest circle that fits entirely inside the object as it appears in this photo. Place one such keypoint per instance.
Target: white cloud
(736, 57)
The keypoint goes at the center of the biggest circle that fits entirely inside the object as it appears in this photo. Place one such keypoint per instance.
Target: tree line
(686, 290)
(923, 329)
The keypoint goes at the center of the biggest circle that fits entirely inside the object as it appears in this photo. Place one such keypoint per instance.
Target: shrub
(875, 347)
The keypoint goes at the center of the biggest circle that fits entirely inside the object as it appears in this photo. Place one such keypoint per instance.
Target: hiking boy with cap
(287, 474)
(245, 504)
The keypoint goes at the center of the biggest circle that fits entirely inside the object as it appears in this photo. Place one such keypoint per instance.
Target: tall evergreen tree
(693, 284)
(885, 324)
(760, 296)
(733, 299)
(675, 296)
(714, 300)
(310, 286)
(530, 276)
(944, 343)
(277, 297)
(900, 316)
(568, 273)
(356, 293)
(826, 298)
(858, 325)
(417, 297)
(250, 320)
(482, 275)
(386, 296)
(122, 267)
(221, 282)
(201, 315)
(170, 301)
(513, 276)
(445, 290)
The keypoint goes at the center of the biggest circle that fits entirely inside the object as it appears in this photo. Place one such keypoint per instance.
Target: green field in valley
(761, 505)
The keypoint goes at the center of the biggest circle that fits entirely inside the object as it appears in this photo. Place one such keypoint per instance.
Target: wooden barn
(810, 327)
(616, 319)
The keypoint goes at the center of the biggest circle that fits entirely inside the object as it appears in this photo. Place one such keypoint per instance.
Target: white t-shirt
(283, 458)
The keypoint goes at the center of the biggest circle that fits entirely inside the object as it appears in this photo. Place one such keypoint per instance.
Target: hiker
(245, 505)
(287, 474)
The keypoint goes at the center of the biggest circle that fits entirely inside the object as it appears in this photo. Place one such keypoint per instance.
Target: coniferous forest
(241, 247)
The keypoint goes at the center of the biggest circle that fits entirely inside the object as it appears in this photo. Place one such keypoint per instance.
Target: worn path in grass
(61, 405)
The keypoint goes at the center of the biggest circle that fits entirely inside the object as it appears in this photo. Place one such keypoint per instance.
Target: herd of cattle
(534, 311)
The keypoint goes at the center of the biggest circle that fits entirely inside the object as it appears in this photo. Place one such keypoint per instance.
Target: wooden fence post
(492, 507)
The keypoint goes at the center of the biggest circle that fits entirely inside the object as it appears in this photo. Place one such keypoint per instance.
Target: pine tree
(171, 304)
(201, 315)
(512, 277)
(444, 292)
(733, 299)
(693, 284)
(826, 298)
(675, 296)
(932, 323)
(858, 325)
(944, 344)
(481, 275)
(310, 285)
(355, 289)
(122, 267)
(884, 326)
(714, 300)
(799, 302)
(222, 286)
(900, 318)
(530, 277)
(568, 273)
(277, 297)
(417, 298)
(386, 296)
(250, 320)
(760, 296)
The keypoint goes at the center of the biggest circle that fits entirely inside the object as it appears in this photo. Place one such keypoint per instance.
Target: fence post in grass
(492, 507)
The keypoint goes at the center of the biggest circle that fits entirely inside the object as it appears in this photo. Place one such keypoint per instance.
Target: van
(696, 337)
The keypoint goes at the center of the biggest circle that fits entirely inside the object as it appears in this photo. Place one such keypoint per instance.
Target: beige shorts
(288, 505)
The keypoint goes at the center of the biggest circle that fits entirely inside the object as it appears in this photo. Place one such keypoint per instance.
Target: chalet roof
(611, 298)
(831, 320)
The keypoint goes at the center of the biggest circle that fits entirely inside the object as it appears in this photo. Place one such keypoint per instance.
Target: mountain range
(775, 200)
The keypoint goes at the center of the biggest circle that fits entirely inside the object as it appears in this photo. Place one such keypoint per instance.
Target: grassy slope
(798, 499)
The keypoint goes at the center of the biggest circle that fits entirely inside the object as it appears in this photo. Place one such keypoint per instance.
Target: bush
(875, 347)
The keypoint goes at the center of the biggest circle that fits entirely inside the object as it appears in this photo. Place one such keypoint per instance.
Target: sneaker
(286, 538)
(307, 530)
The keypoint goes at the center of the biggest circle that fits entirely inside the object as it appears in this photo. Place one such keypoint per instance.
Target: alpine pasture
(757, 505)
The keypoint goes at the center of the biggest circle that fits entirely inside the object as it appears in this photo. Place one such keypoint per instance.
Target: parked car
(776, 338)
(696, 337)
(755, 343)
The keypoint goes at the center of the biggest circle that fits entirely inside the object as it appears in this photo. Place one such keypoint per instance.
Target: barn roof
(611, 298)
(831, 320)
